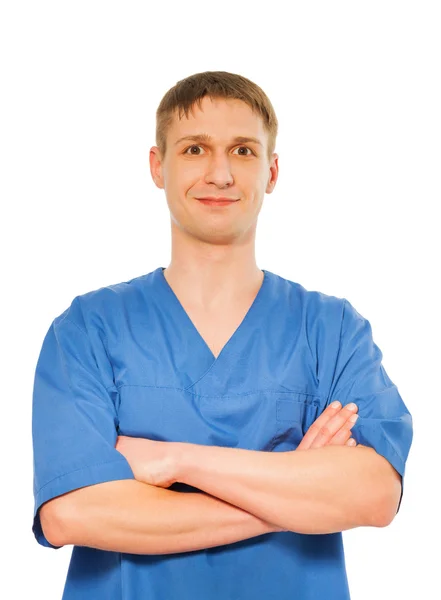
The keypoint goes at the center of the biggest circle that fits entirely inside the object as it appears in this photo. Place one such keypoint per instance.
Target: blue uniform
(127, 360)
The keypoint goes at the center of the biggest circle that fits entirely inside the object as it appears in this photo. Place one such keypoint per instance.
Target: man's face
(217, 167)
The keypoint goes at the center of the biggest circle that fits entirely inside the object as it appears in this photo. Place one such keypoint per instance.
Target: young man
(185, 436)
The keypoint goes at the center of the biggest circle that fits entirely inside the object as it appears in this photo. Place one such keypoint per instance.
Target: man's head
(234, 158)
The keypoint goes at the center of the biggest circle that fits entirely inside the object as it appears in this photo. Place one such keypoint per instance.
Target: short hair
(215, 84)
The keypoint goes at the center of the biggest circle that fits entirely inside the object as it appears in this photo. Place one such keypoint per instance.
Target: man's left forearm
(320, 490)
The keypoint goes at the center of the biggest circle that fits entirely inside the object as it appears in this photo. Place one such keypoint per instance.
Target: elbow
(379, 518)
(390, 509)
(392, 499)
(383, 509)
(53, 537)
(384, 517)
(51, 524)
(377, 515)
(383, 492)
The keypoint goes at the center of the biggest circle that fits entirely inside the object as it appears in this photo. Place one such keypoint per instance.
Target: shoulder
(313, 304)
(334, 317)
(105, 304)
(322, 311)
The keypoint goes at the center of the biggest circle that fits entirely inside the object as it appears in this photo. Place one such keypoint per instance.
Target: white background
(356, 88)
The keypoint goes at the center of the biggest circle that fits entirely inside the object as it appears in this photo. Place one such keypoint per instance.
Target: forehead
(219, 118)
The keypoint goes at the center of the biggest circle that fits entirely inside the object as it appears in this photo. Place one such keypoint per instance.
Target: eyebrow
(204, 137)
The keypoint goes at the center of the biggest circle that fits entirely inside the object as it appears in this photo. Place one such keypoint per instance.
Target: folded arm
(134, 517)
(319, 490)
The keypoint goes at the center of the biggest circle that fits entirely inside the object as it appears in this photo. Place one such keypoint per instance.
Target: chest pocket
(295, 413)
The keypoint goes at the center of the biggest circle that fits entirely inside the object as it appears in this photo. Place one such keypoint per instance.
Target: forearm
(134, 517)
(321, 490)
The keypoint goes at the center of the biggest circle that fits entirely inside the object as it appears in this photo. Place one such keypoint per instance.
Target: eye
(193, 146)
(246, 148)
(197, 146)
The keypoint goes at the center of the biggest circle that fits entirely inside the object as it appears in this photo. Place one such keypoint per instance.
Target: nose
(219, 171)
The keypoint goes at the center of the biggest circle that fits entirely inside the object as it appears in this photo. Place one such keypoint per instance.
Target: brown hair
(216, 84)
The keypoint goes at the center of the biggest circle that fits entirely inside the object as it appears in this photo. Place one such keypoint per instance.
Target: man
(186, 440)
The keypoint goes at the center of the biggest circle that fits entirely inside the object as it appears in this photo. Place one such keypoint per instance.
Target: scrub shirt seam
(337, 354)
(110, 388)
(106, 462)
(121, 574)
(353, 397)
(316, 398)
(76, 325)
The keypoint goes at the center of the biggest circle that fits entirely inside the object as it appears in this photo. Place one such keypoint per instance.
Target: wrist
(182, 457)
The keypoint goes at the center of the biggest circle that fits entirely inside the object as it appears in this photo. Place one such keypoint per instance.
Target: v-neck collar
(182, 316)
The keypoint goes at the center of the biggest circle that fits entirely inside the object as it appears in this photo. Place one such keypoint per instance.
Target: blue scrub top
(127, 360)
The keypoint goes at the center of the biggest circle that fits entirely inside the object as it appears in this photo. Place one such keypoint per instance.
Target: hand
(332, 428)
(151, 461)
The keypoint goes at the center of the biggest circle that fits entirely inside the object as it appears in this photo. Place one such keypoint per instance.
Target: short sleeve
(384, 422)
(74, 417)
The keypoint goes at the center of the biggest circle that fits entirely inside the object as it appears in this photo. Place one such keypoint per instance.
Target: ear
(274, 173)
(156, 167)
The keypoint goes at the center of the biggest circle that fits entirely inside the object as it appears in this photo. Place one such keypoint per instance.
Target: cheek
(262, 179)
(182, 179)
(252, 179)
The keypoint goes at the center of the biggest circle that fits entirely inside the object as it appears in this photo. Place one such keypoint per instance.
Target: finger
(351, 442)
(342, 435)
(327, 414)
(330, 428)
(320, 422)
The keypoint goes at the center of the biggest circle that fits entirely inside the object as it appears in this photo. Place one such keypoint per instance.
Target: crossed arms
(324, 486)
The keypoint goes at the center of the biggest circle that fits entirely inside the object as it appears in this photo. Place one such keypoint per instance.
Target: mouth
(216, 201)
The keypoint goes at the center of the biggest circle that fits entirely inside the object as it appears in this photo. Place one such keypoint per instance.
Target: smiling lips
(221, 201)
